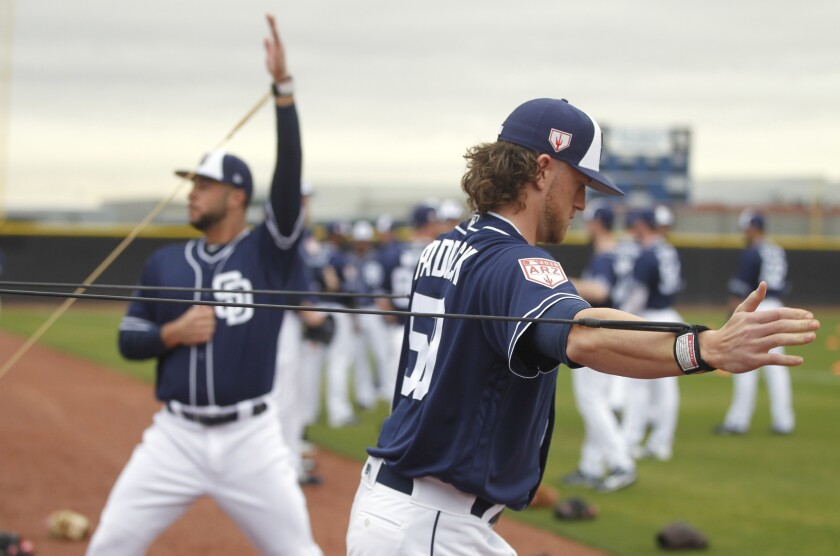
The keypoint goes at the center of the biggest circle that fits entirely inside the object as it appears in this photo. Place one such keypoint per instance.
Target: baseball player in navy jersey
(656, 279)
(341, 353)
(762, 260)
(291, 383)
(316, 255)
(217, 433)
(473, 412)
(398, 264)
(605, 463)
(371, 329)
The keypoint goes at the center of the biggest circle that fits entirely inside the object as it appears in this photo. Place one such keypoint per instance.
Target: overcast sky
(108, 97)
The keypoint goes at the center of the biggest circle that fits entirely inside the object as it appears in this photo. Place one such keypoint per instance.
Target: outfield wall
(707, 263)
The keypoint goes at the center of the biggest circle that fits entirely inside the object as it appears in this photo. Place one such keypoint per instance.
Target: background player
(371, 330)
(218, 434)
(762, 260)
(294, 350)
(398, 263)
(655, 282)
(473, 413)
(605, 463)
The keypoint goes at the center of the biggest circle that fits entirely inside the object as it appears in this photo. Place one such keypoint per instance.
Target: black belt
(213, 420)
(391, 479)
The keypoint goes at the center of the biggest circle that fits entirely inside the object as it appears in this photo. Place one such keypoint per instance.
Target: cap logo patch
(547, 272)
(237, 178)
(559, 140)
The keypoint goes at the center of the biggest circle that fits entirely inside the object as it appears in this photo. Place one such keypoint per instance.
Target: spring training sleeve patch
(545, 272)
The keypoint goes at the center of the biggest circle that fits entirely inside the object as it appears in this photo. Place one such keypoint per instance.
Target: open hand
(275, 54)
(744, 342)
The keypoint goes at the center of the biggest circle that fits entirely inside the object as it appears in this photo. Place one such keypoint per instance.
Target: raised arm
(284, 198)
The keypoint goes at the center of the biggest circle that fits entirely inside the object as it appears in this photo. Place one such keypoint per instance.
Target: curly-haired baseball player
(474, 408)
(217, 434)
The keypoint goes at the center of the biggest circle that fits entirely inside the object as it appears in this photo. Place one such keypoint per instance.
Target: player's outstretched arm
(741, 345)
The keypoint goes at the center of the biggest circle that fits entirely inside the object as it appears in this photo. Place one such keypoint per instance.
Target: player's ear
(543, 167)
(239, 197)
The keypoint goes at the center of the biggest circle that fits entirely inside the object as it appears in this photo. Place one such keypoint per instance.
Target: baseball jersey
(626, 253)
(358, 274)
(316, 257)
(765, 261)
(472, 409)
(657, 268)
(398, 262)
(601, 269)
(236, 364)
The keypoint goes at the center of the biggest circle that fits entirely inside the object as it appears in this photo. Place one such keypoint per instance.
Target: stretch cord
(641, 325)
(201, 290)
(21, 351)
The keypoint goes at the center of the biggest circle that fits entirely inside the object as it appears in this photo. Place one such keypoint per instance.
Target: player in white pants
(339, 358)
(745, 385)
(761, 260)
(656, 280)
(604, 450)
(605, 461)
(398, 261)
(218, 434)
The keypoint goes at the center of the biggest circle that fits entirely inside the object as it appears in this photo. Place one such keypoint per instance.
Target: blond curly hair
(496, 173)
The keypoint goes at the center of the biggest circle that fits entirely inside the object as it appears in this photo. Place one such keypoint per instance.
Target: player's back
(464, 413)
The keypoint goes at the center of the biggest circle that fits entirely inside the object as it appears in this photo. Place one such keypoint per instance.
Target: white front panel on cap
(592, 159)
(211, 166)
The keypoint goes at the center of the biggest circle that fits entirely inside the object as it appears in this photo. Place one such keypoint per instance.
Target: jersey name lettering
(443, 259)
(238, 290)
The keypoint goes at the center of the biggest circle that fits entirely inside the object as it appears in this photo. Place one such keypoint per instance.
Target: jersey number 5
(425, 343)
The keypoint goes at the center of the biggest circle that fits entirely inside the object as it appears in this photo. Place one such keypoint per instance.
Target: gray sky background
(108, 97)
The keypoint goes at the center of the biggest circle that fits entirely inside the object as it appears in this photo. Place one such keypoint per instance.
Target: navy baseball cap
(422, 215)
(646, 215)
(558, 129)
(601, 213)
(226, 168)
(751, 219)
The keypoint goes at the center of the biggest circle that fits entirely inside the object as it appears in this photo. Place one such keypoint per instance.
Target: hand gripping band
(687, 351)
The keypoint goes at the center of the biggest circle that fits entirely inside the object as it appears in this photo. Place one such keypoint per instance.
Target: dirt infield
(67, 427)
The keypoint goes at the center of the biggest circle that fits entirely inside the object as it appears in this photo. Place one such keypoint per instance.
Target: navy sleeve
(646, 270)
(746, 275)
(139, 336)
(141, 344)
(526, 282)
(544, 345)
(284, 198)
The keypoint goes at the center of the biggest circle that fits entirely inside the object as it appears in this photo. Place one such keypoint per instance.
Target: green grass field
(757, 494)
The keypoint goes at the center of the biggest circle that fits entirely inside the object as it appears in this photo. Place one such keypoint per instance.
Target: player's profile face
(207, 203)
(565, 195)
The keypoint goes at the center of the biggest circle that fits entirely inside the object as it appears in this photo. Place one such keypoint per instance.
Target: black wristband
(687, 351)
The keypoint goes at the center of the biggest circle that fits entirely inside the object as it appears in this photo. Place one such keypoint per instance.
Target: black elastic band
(687, 351)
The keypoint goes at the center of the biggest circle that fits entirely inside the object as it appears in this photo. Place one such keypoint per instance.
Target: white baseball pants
(243, 466)
(745, 385)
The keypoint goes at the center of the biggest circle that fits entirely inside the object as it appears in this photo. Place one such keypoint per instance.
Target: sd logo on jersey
(238, 290)
(543, 271)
